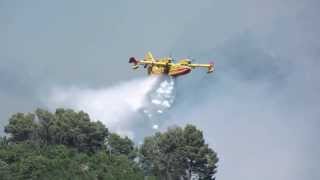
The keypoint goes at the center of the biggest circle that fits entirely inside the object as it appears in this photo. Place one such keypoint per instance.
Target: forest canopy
(66, 144)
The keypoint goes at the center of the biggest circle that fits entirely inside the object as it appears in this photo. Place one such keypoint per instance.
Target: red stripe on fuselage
(181, 71)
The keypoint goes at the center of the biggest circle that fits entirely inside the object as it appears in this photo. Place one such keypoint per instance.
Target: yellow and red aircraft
(157, 66)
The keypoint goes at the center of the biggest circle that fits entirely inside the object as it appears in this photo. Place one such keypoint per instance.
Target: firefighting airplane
(157, 66)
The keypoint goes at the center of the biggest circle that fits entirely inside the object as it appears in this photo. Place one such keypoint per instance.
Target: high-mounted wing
(210, 66)
(149, 57)
(148, 60)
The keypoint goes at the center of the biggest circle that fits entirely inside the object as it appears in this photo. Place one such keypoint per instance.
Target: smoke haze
(123, 107)
(115, 106)
(259, 110)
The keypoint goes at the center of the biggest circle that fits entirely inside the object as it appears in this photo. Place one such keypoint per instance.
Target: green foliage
(68, 145)
(21, 126)
(26, 161)
(3, 141)
(179, 153)
(75, 130)
(46, 122)
(118, 145)
(64, 145)
(66, 127)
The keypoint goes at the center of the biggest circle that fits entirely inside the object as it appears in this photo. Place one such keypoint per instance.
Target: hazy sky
(259, 110)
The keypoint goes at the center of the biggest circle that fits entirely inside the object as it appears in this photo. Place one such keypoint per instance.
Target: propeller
(192, 59)
(170, 56)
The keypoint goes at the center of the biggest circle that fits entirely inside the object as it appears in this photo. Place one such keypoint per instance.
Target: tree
(67, 145)
(75, 129)
(64, 145)
(21, 126)
(198, 157)
(45, 122)
(24, 161)
(179, 153)
(65, 126)
(118, 145)
(3, 141)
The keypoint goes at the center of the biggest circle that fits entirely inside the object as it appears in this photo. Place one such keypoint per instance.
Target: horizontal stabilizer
(135, 62)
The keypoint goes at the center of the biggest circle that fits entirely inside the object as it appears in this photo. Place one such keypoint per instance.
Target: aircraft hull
(180, 71)
(173, 71)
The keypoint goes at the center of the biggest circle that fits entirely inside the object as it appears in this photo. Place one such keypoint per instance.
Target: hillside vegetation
(67, 145)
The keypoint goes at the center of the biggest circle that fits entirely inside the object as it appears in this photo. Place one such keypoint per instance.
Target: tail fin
(134, 61)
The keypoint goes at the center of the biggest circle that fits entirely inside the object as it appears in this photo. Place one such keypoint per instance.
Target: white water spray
(160, 100)
(114, 106)
(119, 107)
